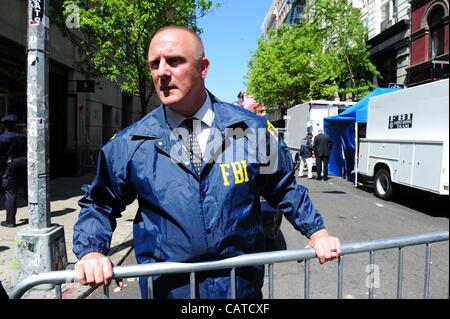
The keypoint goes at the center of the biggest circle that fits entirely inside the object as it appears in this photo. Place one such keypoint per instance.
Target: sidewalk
(64, 195)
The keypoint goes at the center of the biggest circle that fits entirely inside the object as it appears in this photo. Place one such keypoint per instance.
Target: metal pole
(233, 283)
(37, 115)
(150, 287)
(371, 274)
(306, 284)
(270, 281)
(340, 276)
(400, 273)
(192, 280)
(426, 290)
(41, 246)
(105, 292)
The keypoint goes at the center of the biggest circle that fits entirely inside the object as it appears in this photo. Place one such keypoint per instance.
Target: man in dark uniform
(13, 149)
(322, 146)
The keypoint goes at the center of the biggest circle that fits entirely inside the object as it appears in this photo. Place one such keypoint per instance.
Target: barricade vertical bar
(371, 274)
(427, 272)
(192, 285)
(340, 276)
(270, 281)
(58, 292)
(306, 279)
(233, 283)
(150, 287)
(400, 273)
(105, 292)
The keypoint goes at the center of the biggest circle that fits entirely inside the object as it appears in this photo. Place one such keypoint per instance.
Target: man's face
(178, 70)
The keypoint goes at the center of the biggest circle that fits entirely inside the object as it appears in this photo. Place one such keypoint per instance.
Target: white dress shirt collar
(205, 114)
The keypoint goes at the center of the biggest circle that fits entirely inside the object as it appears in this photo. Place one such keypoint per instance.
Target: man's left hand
(326, 247)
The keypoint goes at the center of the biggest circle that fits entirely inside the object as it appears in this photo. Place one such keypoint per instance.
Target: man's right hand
(95, 269)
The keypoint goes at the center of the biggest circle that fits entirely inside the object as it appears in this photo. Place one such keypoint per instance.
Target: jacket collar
(154, 124)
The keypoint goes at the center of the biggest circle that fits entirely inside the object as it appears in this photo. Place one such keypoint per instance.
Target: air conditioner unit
(385, 24)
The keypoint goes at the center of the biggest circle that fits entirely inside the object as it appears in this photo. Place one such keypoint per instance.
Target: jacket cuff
(310, 232)
(82, 252)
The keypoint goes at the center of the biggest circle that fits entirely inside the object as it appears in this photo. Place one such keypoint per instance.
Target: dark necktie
(194, 150)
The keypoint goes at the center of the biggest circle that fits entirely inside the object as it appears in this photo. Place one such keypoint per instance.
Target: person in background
(306, 149)
(322, 146)
(13, 151)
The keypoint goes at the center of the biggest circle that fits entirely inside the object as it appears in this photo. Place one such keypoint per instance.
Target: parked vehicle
(308, 117)
(407, 140)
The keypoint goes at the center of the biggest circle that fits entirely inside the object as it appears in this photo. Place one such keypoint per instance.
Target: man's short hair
(192, 32)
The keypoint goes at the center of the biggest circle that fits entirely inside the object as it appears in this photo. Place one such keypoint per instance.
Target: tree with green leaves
(114, 35)
(323, 57)
(280, 70)
(344, 40)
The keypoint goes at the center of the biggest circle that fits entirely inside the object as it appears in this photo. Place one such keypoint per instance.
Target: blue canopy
(341, 129)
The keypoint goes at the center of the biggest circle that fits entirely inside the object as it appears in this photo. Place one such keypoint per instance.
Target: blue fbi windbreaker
(184, 217)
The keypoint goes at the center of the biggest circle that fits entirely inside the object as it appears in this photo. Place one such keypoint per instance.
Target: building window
(434, 20)
(394, 10)
(389, 14)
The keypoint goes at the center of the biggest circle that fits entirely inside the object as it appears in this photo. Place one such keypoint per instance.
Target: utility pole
(41, 246)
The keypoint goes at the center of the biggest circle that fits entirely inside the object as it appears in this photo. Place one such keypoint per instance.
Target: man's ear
(204, 66)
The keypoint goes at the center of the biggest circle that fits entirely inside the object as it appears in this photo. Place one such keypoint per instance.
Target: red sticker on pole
(37, 11)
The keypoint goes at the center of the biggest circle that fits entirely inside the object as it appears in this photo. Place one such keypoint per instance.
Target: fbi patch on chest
(238, 170)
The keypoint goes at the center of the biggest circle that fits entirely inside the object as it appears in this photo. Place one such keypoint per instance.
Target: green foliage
(322, 57)
(280, 69)
(115, 35)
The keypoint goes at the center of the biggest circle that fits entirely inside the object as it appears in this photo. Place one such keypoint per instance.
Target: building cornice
(400, 26)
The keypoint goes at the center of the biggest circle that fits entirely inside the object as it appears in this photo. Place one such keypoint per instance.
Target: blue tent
(341, 129)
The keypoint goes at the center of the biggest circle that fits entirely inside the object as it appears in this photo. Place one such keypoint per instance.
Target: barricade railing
(267, 258)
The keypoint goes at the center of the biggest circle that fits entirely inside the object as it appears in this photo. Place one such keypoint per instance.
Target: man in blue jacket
(198, 167)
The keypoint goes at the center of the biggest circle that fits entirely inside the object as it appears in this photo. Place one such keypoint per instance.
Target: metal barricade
(267, 258)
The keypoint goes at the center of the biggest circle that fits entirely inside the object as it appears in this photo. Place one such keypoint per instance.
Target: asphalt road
(353, 215)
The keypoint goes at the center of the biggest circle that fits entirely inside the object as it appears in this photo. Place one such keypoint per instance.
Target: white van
(308, 117)
(407, 140)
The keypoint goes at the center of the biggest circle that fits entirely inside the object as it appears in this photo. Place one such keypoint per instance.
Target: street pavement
(356, 215)
(64, 195)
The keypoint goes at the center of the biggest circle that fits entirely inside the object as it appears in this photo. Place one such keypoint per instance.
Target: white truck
(406, 140)
(308, 117)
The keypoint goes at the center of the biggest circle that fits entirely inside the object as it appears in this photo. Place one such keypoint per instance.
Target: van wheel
(383, 184)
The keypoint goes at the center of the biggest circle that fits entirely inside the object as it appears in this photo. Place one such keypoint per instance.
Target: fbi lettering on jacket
(238, 170)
